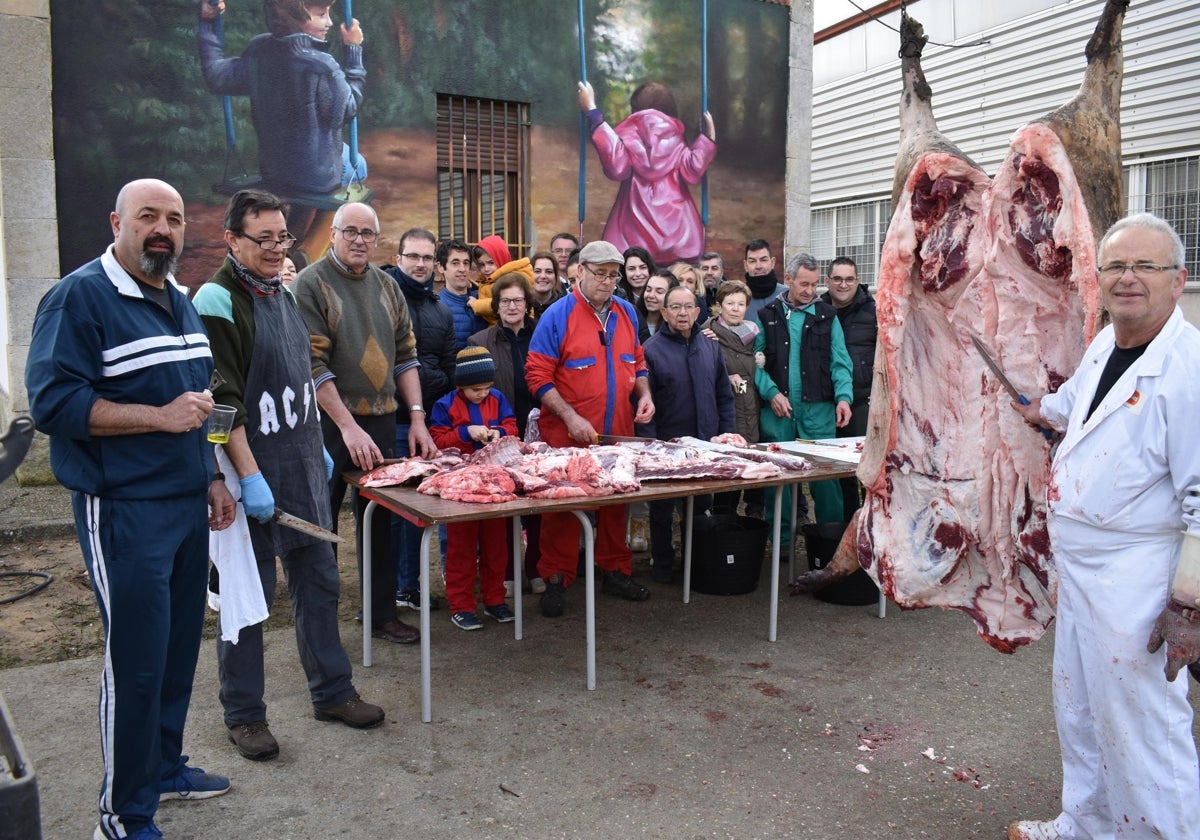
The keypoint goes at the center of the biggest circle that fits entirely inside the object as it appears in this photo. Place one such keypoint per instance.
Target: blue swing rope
(703, 109)
(582, 129)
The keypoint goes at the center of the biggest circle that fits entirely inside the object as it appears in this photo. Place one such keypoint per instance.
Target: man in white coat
(1124, 504)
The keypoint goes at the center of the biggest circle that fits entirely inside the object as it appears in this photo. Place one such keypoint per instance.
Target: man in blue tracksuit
(117, 374)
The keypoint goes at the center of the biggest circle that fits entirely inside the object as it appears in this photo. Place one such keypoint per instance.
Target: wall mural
(214, 97)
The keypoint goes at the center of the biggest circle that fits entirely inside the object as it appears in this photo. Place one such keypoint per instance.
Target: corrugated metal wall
(982, 94)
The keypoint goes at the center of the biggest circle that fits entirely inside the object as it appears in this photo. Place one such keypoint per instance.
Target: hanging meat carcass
(955, 506)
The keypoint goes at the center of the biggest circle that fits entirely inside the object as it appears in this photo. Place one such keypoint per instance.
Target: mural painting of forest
(131, 100)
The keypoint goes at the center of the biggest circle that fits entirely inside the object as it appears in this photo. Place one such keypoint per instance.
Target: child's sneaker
(466, 621)
(501, 613)
(537, 586)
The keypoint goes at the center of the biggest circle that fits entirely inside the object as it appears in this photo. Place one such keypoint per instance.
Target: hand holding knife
(999, 374)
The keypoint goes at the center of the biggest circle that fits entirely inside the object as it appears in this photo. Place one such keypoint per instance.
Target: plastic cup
(220, 423)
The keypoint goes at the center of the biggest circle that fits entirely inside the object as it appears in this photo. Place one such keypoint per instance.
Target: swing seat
(357, 191)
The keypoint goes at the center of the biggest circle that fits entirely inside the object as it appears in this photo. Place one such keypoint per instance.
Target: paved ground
(847, 727)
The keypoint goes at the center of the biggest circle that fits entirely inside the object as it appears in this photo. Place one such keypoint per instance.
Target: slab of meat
(956, 481)
(410, 470)
(502, 452)
(481, 483)
(781, 459)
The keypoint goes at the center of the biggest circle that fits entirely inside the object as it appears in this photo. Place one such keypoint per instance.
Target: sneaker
(508, 588)
(355, 713)
(466, 621)
(1033, 830)
(254, 740)
(149, 832)
(537, 586)
(411, 598)
(192, 783)
(554, 597)
(501, 613)
(621, 584)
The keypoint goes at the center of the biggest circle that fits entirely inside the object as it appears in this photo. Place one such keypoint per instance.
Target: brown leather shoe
(254, 740)
(396, 631)
(355, 712)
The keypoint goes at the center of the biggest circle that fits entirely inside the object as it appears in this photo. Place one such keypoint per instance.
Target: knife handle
(1046, 433)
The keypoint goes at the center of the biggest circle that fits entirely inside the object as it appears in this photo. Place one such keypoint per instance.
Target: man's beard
(158, 264)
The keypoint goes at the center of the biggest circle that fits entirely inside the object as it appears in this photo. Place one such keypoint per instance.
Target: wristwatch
(413, 408)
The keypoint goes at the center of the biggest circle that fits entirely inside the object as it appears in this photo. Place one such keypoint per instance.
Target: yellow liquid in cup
(218, 437)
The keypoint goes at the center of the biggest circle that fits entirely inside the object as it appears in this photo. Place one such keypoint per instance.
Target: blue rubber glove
(328, 464)
(257, 498)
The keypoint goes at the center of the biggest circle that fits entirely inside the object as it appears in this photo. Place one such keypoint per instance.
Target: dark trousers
(312, 580)
(662, 521)
(148, 562)
(382, 430)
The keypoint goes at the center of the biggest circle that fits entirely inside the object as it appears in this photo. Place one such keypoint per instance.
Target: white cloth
(1123, 485)
(241, 602)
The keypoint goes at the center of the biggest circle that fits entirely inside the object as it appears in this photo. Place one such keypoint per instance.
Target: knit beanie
(497, 249)
(473, 366)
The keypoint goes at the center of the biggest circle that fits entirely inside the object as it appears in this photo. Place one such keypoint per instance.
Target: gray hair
(802, 260)
(1146, 221)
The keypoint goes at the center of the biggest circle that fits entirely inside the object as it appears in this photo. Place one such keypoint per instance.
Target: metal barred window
(851, 230)
(1170, 189)
(483, 174)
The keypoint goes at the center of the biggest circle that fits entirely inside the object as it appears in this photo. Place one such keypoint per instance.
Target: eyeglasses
(510, 301)
(599, 275)
(415, 257)
(681, 307)
(835, 280)
(350, 234)
(1141, 270)
(564, 251)
(269, 244)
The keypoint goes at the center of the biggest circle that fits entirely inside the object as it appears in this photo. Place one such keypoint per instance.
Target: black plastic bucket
(820, 542)
(727, 553)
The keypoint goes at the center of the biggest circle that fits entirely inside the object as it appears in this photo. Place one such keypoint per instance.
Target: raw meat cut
(783, 460)
(410, 470)
(956, 480)
(481, 483)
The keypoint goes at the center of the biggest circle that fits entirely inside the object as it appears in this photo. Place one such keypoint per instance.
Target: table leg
(687, 549)
(368, 515)
(426, 679)
(774, 617)
(518, 577)
(589, 552)
(791, 559)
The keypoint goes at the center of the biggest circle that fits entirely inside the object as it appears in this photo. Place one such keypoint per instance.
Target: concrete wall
(28, 226)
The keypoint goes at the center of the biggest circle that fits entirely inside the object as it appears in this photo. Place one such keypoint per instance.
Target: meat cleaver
(304, 527)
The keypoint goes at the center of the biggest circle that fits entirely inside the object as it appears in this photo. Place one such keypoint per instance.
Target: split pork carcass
(956, 481)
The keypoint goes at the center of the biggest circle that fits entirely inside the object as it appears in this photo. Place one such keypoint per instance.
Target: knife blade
(304, 527)
(1004, 380)
(609, 439)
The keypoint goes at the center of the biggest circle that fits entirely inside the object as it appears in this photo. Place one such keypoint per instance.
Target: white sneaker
(508, 588)
(1033, 830)
(537, 586)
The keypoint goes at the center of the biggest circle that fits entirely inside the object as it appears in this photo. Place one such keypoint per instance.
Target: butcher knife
(304, 527)
(1008, 386)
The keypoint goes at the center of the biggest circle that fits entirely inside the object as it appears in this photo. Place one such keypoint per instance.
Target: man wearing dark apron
(261, 348)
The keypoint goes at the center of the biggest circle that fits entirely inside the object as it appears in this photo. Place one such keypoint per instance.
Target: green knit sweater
(360, 330)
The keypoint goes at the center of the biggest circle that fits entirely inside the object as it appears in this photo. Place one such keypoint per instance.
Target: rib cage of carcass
(955, 511)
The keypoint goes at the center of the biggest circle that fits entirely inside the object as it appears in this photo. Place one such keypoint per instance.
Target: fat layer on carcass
(955, 510)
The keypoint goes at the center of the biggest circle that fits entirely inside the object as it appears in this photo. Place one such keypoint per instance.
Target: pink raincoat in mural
(654, 208)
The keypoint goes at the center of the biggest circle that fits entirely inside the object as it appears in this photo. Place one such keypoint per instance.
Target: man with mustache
(117, 370)
(364, 354)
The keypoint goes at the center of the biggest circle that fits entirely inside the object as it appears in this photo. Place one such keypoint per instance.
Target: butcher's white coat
(1126, 481)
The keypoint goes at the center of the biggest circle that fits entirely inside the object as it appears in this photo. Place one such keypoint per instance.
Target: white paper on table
(845, 450)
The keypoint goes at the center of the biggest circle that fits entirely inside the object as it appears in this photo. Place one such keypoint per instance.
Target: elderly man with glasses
(690, 384)
(364, 366)
(586, 366)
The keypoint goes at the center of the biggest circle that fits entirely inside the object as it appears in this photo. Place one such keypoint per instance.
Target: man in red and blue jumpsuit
(586, 367)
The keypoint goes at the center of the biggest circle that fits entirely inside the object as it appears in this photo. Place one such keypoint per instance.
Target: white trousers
(1129, 760)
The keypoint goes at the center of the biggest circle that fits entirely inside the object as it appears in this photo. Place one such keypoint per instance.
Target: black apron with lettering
(283, 425)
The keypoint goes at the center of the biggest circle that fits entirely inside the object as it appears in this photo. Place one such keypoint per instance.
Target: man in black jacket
(856, 312)
(433, 326)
